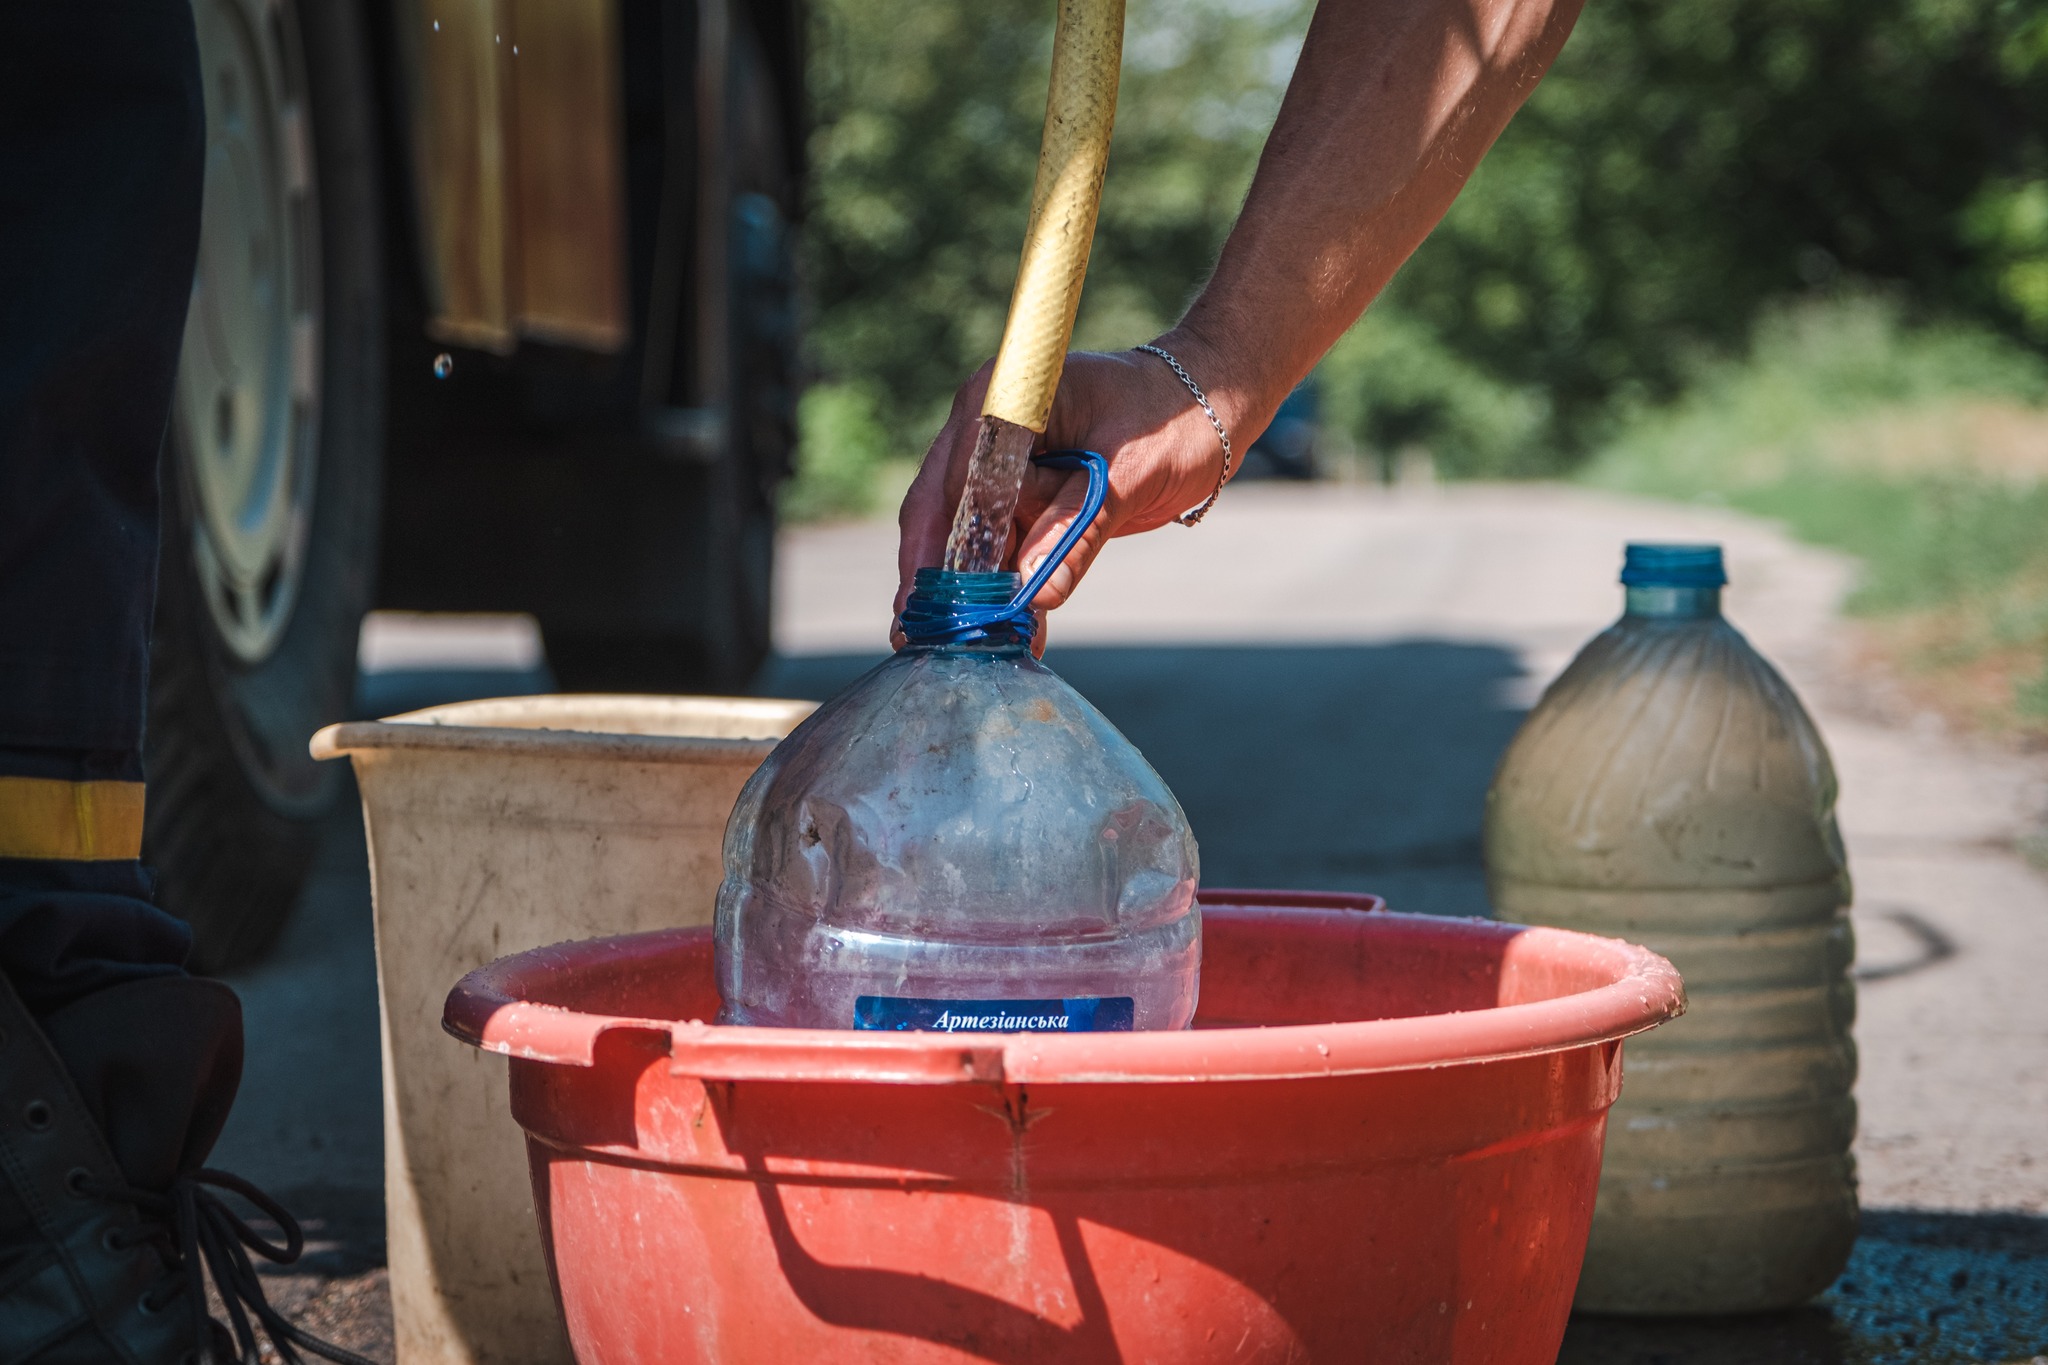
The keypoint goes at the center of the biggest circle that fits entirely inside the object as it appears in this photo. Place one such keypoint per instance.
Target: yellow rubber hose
(1080, 108)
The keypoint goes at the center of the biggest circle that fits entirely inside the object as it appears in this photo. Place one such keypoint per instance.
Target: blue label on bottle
(1081, 1014)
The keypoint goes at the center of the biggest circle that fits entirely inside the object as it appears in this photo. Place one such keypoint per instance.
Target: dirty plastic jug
(960, 842)
(1669, 789)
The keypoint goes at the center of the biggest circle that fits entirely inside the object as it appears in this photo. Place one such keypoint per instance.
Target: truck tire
(272, 484)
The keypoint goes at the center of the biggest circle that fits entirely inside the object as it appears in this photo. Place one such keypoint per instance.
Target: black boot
(107, 1107)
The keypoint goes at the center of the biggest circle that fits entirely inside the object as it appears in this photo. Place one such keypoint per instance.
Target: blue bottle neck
(1673, 604)
(944, 588)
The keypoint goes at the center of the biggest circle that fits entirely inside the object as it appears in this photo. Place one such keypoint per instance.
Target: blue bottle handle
(927, 622)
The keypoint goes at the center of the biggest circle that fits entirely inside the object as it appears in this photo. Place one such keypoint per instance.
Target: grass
(1921, 451)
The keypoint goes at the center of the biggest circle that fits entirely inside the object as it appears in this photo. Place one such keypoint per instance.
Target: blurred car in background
(493, 312)
(1288, 448)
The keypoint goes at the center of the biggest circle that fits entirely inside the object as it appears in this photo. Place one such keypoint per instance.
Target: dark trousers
(102, 156)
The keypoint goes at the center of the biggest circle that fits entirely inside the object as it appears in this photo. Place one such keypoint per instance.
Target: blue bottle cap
(1673, 566)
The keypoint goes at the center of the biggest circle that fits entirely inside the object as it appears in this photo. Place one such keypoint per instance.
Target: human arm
(1391, 106)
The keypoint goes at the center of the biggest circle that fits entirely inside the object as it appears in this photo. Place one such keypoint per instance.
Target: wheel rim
(248, 400)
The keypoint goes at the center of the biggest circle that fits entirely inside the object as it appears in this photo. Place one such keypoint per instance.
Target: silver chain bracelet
(1195, 514)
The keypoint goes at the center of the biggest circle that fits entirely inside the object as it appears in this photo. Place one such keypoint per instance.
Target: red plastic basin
(1380, 1143)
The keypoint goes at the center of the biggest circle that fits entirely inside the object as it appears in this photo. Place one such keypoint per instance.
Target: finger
(1044, 537)
(1035, 495)
(1038, 639)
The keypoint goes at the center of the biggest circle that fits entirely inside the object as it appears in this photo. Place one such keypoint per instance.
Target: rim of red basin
(489, 1009)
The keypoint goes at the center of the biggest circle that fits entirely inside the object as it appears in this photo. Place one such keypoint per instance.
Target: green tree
(1685, 165)
(1683, 168)
(927, 123)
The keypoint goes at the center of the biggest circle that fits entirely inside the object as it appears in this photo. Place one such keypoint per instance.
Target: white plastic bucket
(494, 827)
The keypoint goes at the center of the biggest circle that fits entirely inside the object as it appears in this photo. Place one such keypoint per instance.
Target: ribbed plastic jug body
(1669, 789)
(959, 841)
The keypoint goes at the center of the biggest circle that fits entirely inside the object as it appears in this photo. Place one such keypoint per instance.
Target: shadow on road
(1326, 767)
(395, 691)
(1921, 1289)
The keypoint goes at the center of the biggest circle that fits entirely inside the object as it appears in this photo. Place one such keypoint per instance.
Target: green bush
(842, 449)
(1788, 432)
(1685, 166)
(1749, 422)
(1393, 384)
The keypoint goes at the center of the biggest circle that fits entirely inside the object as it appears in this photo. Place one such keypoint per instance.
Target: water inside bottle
(1669, 789)
(959, 842)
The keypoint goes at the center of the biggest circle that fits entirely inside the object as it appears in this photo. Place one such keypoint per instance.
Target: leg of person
(117, 1069)
(104, 139)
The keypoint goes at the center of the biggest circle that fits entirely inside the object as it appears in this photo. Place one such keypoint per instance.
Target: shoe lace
(201, 1235)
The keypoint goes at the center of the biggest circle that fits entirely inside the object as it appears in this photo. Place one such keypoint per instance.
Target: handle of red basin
(755, 1054)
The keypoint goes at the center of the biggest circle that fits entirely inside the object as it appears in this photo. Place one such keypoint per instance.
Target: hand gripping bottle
(960, 842)
(1669, 789)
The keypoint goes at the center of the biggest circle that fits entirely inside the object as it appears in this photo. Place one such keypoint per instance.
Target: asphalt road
(1325, 676)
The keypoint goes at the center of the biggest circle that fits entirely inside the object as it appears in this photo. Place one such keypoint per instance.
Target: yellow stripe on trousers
(41, 817)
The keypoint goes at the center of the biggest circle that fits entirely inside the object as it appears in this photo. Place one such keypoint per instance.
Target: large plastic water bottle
(1669, 789)
(959, 842)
